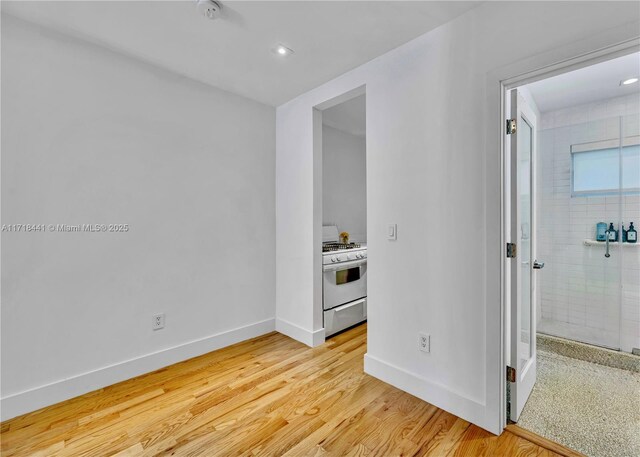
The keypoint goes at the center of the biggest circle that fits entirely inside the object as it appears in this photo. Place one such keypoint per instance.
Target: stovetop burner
(330, 247)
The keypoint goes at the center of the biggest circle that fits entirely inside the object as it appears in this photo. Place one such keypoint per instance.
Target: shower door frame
(512, 77)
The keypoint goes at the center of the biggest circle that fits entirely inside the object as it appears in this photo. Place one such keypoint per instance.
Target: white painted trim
(308, 337)
(582, 59)
(64, 389)
(436, 394)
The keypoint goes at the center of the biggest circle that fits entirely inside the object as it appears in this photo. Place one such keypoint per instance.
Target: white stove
(344, 285)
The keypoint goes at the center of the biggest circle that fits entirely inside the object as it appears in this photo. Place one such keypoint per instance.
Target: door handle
(538, 265)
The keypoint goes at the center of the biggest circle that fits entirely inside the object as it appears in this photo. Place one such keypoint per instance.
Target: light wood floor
(268, 396)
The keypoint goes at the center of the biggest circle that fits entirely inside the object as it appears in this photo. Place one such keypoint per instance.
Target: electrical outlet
(424, 342)
(158, 322)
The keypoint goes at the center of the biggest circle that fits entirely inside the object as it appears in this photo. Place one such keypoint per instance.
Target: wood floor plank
(269, 396)
(476, 442)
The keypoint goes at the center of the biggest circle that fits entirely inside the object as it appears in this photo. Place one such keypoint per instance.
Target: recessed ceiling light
(282, 50)
(626, 82)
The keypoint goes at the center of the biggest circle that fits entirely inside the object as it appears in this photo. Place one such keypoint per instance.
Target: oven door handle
(344, 265)
(348, 305)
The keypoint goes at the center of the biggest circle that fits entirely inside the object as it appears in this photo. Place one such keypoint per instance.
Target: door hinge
(511, 374)
(511, 250)
(511, 126)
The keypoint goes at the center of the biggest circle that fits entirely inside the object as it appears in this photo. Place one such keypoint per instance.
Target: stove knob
(333, 259)
(339, 258)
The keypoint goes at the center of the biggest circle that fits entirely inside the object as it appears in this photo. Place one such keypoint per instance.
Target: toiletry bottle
(623, 234)
(632, 234)
(613, 233)
(601, 228)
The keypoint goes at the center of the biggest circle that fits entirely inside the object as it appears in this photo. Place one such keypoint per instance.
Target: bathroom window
(599, 171)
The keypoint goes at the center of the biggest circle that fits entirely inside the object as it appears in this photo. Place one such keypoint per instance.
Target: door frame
(510, 78)
(319, 336)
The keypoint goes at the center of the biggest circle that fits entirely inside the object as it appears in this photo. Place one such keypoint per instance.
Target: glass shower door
(586, 173)
(630, 252)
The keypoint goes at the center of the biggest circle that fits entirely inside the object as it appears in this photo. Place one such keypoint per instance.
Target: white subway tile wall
(583, 295)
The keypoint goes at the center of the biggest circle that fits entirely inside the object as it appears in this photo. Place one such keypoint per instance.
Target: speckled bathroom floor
(591, 408)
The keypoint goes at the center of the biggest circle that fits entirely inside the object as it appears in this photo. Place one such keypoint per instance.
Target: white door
(524, 264)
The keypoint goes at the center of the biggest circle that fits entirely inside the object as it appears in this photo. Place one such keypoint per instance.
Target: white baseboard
(310, 338)
(436, 394)
(49, 394)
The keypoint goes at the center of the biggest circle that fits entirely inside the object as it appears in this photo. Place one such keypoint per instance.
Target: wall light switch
(392, 232)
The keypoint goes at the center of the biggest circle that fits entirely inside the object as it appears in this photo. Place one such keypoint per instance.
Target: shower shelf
(615, 243)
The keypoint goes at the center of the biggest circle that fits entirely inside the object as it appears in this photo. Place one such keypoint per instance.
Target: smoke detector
(209, 8)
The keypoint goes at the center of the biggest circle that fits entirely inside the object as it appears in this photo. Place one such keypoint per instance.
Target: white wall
(584, 295)
(89, 136)
(433, 167)
(344, 182)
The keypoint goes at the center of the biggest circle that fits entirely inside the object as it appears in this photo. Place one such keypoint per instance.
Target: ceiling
(596, 82)
(233, 52)
(349, 116)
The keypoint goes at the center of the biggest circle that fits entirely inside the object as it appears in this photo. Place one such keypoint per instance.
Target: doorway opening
(344, 215)
(573, 185)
